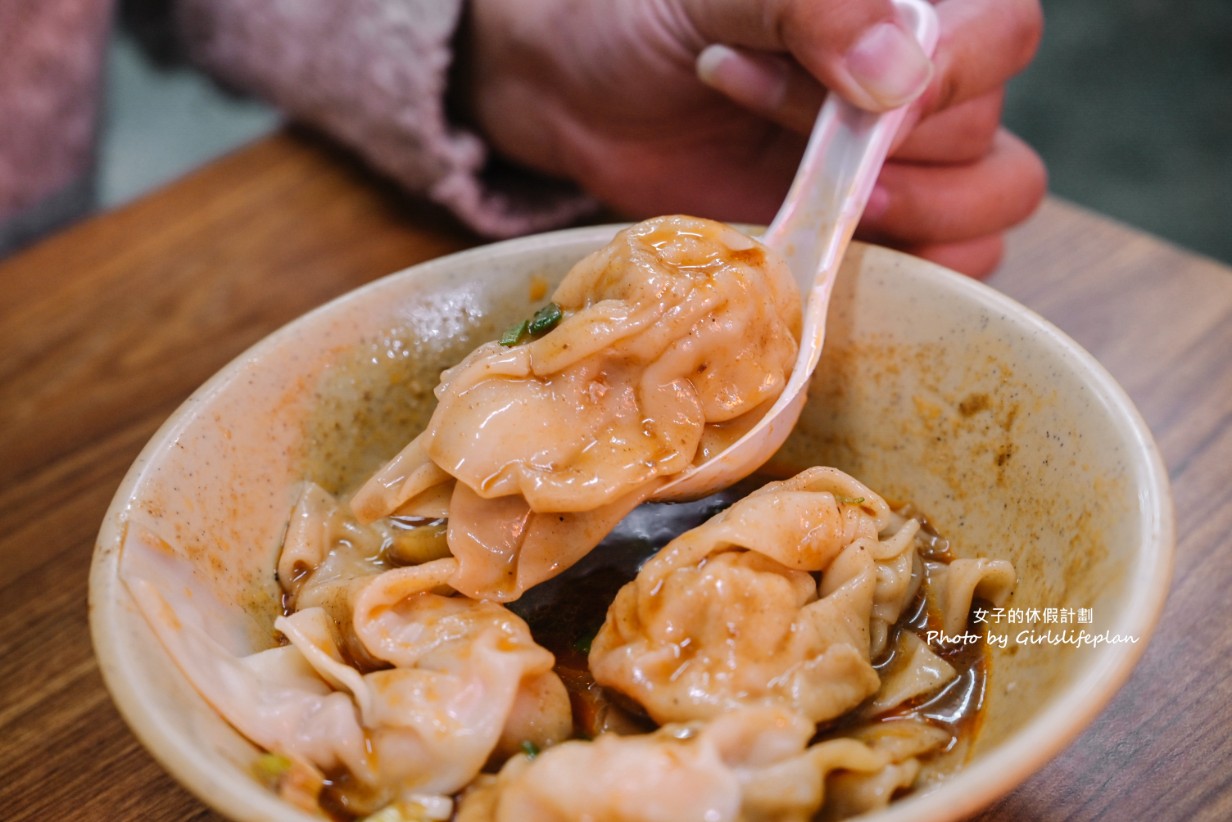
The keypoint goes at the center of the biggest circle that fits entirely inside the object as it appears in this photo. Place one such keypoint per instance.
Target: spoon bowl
(811, 231)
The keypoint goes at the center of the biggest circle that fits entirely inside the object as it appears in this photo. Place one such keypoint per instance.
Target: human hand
(607, 94)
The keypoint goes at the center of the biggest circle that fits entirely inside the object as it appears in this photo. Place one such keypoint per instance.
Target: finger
(858, 48)
(776, 88)
(983, 44)
(743, 179)
(769, 85)
(976, 258)
(928, 204)
(961, 134)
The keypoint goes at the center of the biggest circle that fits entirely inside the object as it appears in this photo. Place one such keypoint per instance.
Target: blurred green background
(1130, 104)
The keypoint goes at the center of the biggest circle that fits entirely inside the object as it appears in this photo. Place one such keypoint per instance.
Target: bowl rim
(1066, 715)
(995, 773)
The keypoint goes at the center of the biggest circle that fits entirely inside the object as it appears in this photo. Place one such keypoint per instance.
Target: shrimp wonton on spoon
(656, 351)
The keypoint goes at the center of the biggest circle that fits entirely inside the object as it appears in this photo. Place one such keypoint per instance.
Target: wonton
(671, 342)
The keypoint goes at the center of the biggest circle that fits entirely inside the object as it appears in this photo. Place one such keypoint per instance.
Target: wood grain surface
(107, 327)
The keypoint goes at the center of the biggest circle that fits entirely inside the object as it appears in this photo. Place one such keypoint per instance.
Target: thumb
(858, 48)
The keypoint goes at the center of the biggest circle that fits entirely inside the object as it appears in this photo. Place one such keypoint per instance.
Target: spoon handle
(836, 175)
(813, 228)
(811, 231)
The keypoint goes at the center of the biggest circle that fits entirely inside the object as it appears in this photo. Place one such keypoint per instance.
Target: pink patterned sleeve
(51, 58)
(374, 75)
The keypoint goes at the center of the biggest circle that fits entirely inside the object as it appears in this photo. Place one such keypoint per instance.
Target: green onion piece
(513, 335)
(545, 319)
(849, 500)
(270, 768)
(582, 643)
(530, 748)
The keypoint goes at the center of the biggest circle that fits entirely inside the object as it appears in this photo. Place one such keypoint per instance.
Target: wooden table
(107, 327)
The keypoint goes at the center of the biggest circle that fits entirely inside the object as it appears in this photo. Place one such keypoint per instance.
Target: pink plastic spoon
(811, 231)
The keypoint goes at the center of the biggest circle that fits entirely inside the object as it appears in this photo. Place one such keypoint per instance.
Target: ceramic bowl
(933, 389)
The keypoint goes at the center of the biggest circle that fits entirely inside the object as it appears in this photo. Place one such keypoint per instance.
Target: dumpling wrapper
(752, 763)
(468, 682)
(954, 587)
(783, 599)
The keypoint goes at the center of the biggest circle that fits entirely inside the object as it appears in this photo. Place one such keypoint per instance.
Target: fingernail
(759, 84)
(710, 62)
(888, 63)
